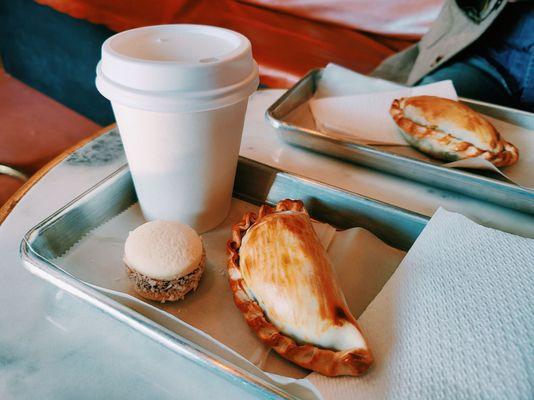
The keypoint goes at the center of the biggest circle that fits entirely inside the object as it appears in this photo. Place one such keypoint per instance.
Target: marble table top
(54, 345)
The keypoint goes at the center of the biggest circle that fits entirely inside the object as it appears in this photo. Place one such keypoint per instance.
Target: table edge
(10, 204)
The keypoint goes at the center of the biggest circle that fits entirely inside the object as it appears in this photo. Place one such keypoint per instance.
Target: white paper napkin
(455, 321)
(365, 118)
(339, 81)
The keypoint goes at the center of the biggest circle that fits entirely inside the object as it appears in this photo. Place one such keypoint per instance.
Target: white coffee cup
(179, 94)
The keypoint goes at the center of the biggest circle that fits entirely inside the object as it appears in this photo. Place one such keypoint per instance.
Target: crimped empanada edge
(446, 144)
(324, 361)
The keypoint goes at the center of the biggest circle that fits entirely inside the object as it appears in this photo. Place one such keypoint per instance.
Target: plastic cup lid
(177, 68)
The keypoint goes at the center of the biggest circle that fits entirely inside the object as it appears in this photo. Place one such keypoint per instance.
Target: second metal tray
(475, 185)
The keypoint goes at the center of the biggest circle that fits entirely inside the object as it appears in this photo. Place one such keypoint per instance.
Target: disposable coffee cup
(179, 94)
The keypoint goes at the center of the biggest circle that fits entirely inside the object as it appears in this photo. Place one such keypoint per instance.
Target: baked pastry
(164, 260)
(450, 130)
(286, 288)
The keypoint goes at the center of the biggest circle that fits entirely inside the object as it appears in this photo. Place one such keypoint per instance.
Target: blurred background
(49, 50)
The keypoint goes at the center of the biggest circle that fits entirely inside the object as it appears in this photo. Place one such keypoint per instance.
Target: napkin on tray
(455, 321)
(365, 119)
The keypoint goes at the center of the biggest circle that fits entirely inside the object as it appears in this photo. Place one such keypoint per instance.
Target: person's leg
(474, 78)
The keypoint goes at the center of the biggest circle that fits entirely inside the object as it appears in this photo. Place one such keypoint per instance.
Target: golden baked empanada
(286, 287)
(449, 130)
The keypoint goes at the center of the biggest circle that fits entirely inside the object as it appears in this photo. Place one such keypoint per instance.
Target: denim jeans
(499, 67)
(474, 78)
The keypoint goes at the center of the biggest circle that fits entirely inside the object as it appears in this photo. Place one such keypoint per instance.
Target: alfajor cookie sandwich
(164, 260)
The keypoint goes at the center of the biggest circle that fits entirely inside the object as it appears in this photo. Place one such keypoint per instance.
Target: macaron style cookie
(164, 260)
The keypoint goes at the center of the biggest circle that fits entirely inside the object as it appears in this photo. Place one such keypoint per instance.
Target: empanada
(287, 290)
(450, 130)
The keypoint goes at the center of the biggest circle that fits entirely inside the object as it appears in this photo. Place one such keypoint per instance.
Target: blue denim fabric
(509, 47)
(499, 67)
(474, 78)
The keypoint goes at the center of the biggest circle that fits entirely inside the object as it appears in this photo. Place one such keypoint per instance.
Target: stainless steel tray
(255, 183)
(488, 187)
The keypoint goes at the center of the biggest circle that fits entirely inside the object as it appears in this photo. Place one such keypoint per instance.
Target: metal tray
(487, 187)
(255, 183)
